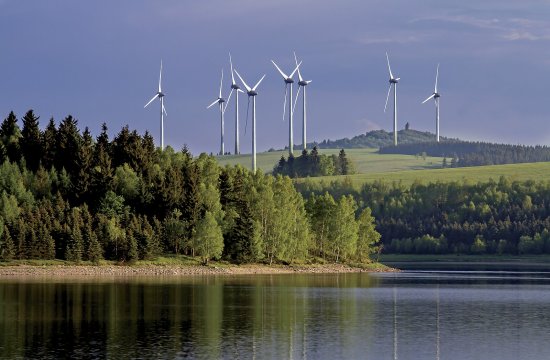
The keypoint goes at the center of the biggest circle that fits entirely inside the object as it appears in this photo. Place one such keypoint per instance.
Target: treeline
(465, 153)
(377, 139)
(314, 164)
(65, 195)
(494, 217)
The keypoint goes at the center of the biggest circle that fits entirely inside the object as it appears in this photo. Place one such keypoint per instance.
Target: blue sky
(99, 61)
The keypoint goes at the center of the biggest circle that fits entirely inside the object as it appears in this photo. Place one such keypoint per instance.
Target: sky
(99, 62)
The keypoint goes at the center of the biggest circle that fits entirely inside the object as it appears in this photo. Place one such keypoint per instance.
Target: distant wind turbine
(160, 95)
(393, 82)
(288, 81)
(252, 94)
(436, 97)
(220, 101)
(236, 87)
(302, 84)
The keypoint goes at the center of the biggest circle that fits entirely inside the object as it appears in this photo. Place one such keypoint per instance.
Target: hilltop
(377, 139)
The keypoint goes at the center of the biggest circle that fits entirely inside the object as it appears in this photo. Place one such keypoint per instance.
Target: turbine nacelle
(289, 80)
(252, 93)
(304, 82)
(235, 87)
(394, 81)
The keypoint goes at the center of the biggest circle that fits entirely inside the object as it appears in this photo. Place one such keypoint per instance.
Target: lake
(415, 314)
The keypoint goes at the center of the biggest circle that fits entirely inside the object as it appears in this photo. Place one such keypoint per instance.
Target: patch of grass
(365, 160)
(528, 171)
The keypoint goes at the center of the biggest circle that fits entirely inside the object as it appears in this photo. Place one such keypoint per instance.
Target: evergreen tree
(7, 247)
(31, 141)
(83, 163)
(10, 136)
(94, 251)
(49, 145)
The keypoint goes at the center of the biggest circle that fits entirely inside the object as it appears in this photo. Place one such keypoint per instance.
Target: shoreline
(74, 271)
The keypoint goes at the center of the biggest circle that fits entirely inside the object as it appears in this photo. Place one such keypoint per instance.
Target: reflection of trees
(211, 317)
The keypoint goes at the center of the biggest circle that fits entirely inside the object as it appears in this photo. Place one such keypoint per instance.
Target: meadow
(371, 166)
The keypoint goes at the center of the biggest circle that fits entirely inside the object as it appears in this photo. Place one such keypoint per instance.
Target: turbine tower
(252, 94)
(302, 84)
(436, 97)
(393, 82)
(160, 95)
(236, 87)
(288, 81)
(220, 101)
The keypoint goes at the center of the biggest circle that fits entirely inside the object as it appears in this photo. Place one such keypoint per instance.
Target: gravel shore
(168, 270)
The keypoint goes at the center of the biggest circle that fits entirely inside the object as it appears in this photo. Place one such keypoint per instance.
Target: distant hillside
(377, 139)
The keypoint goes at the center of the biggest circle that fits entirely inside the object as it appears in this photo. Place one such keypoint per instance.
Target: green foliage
(209, 238)
(314, 164)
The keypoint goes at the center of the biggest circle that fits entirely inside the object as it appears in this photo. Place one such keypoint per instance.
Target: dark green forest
(461, 217)
(466, 153)
(314, 164)
(66, 195)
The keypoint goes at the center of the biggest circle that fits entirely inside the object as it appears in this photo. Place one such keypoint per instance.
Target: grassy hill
(526, 171)
(366, 161)
(377, 139)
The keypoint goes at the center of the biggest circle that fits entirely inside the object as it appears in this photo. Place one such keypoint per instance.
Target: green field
(365, 160)
(371, 166)
(529, 171)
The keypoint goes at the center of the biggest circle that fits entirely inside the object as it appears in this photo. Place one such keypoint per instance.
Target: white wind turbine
(302, 84)
(220, 101)
(160, 95)
(288, 81)
(252, 94)
(236, 87)
(393, 82)
(436, 97)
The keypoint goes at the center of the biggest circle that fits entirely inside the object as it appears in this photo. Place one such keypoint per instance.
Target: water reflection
(401, 316)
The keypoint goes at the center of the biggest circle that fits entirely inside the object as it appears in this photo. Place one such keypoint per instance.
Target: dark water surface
(416, 314)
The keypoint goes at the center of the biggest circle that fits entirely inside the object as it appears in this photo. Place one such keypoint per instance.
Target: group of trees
(66, 195)
(466, 153)
(314, 164)
(493, 217)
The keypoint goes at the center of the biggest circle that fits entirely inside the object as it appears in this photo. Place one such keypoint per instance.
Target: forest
(466, 153)
(66, 195)
(314, 164)
(459, 217)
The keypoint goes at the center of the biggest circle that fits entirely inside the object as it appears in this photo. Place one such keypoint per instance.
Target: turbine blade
(431, 96)
(245, 85)
(150, 101)
(239, 90)
(436, 76)
(389, 67)
(215, 102)
(164, 109)
(232, 76)
(297, 67)
(296, 99)
(387, 98)
(221, 82)
(280, 71)
(160, 77)
(258, 83)
(284, 103)
(228, 98)
(296, 60)
(246, 119)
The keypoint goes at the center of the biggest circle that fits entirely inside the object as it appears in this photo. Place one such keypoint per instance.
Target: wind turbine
(220, 100)
(160, 95)
(302, 84)
(252, 94)
(436, 97)
(393, 82)
(236, 87)
(288, 81)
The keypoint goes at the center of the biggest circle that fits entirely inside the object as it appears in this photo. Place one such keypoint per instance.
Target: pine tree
(31, 141)
(49, 145)
(83, 163)
(7, 247)
(94, 251)
(10, 136)
(69, 142)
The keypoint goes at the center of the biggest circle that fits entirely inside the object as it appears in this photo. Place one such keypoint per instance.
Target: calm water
(441, 314)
